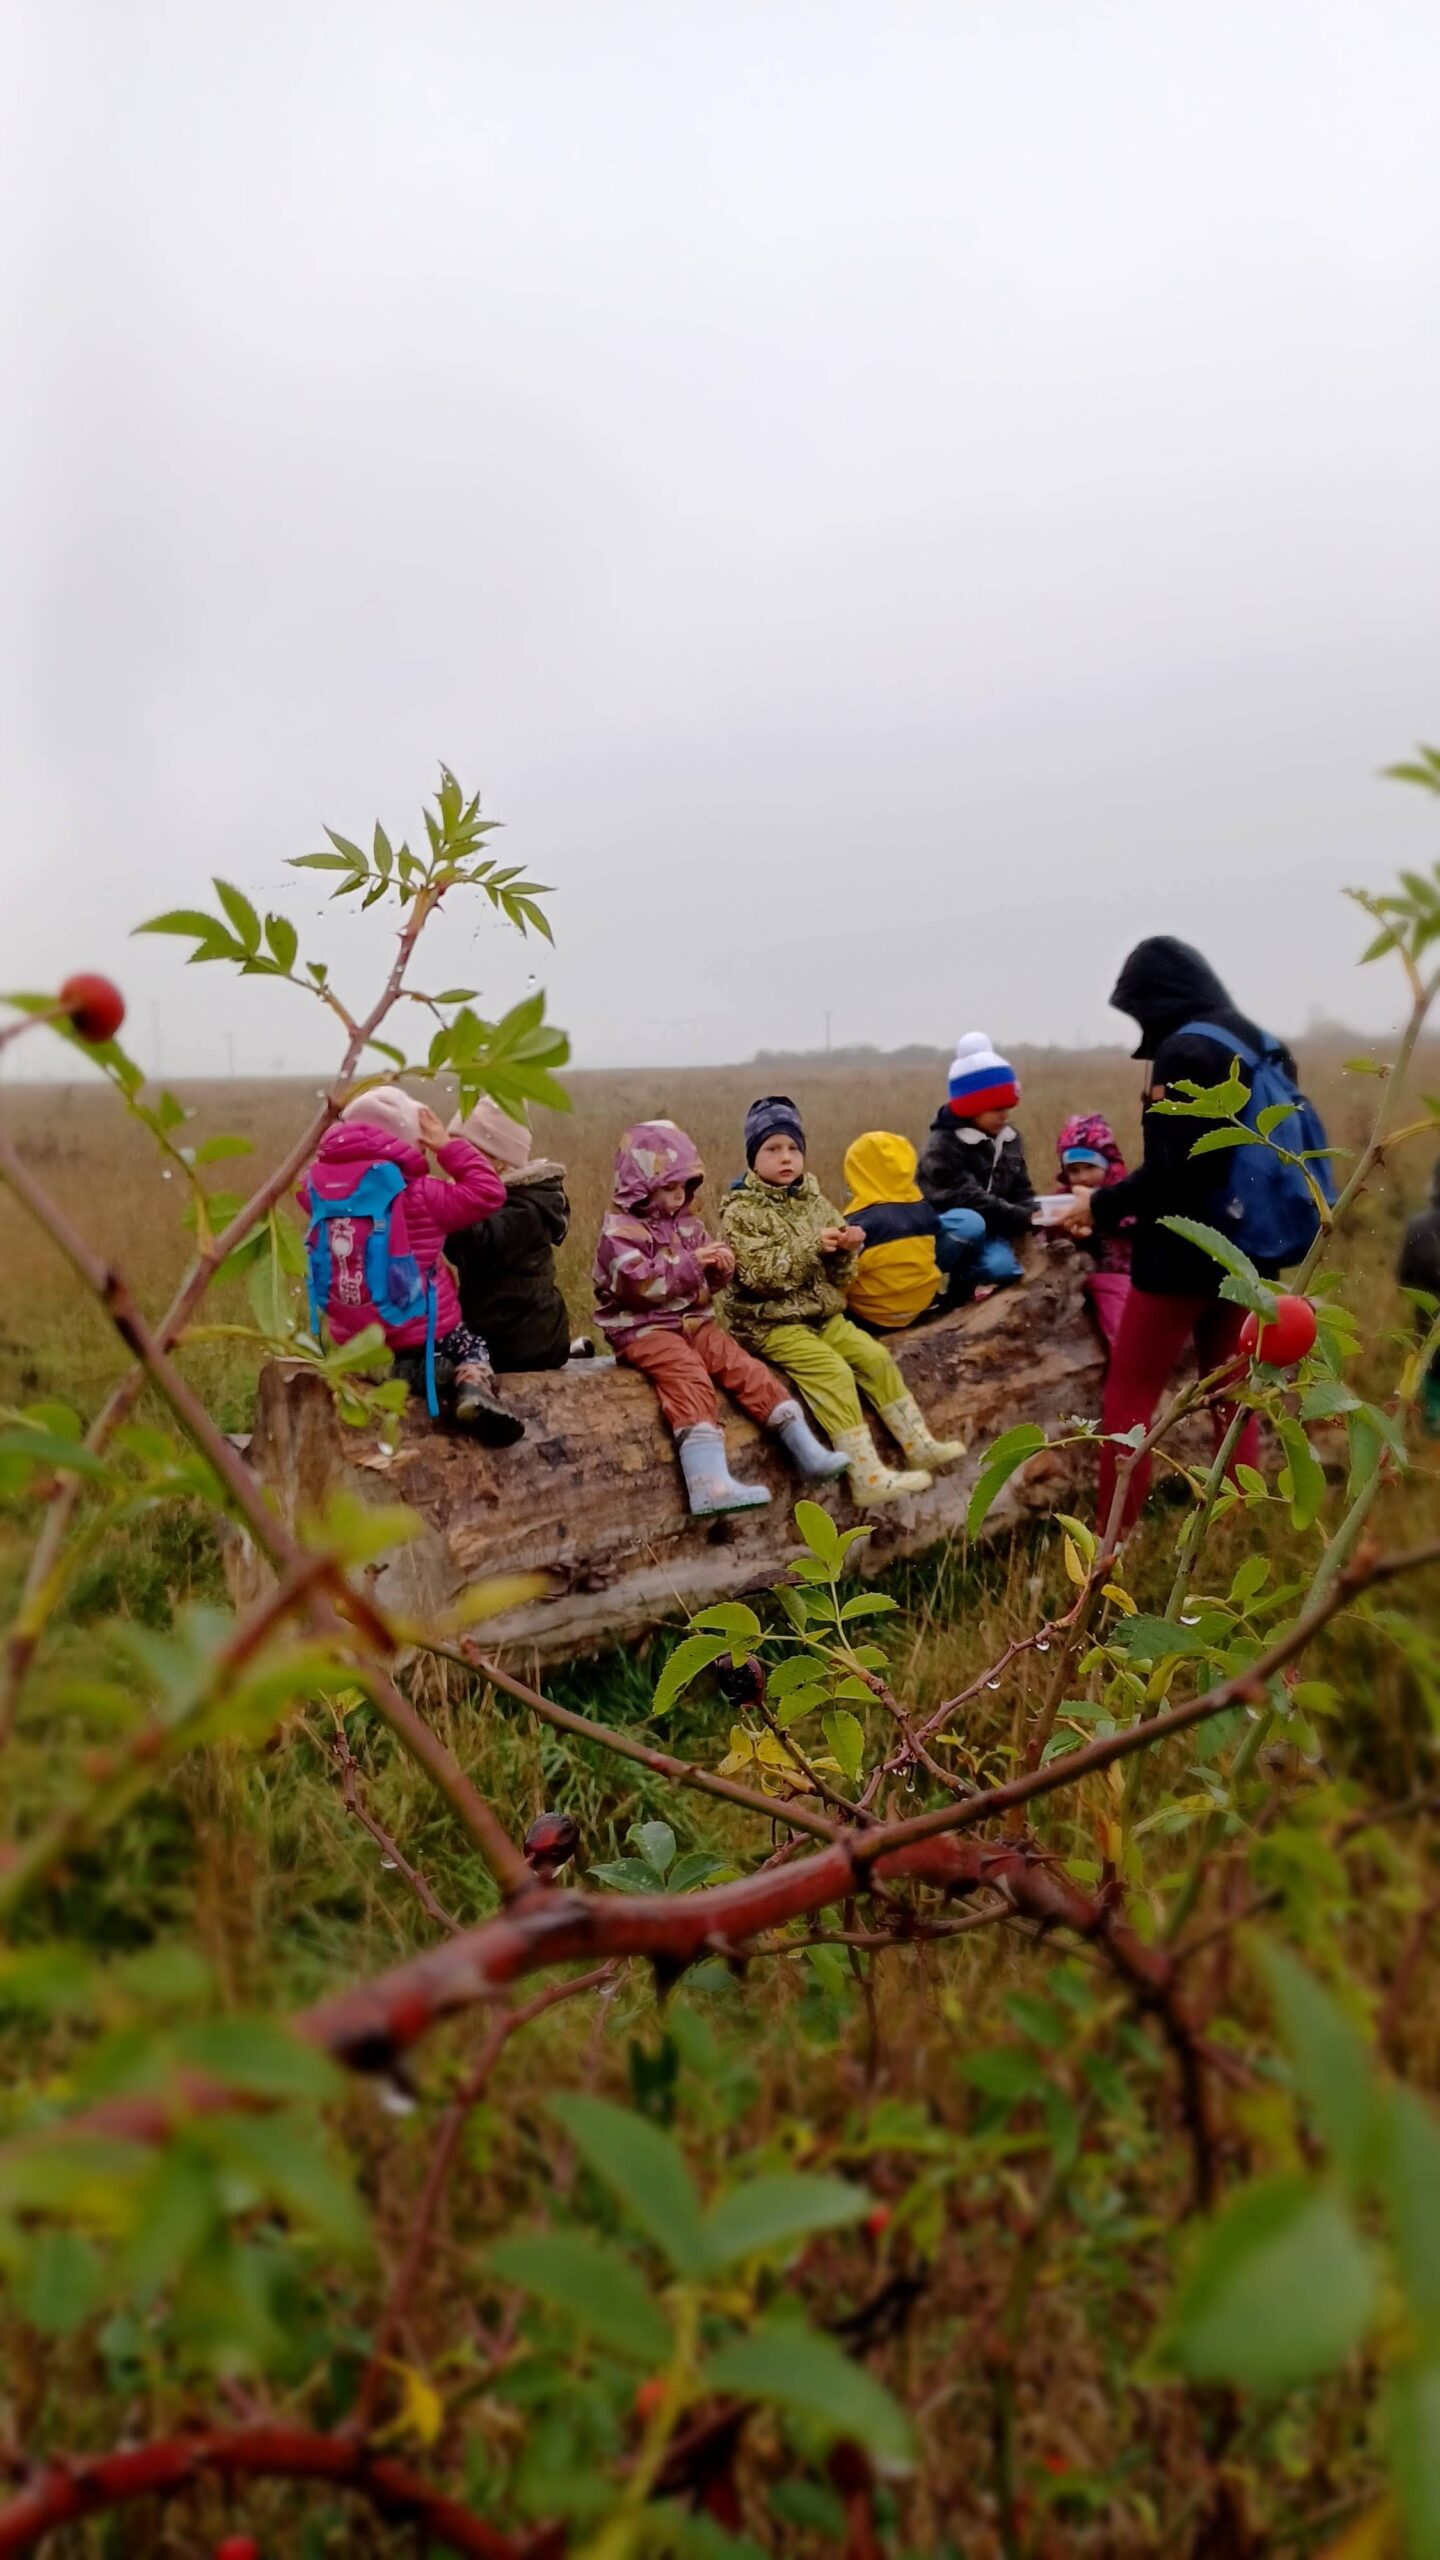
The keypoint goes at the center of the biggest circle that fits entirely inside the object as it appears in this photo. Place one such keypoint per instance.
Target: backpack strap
(431, 1301)
(1230, 1040)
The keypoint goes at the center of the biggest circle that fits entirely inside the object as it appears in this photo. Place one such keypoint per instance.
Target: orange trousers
(685, 1363)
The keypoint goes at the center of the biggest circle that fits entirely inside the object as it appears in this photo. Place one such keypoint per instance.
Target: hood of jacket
(1163, 984)
(649, 1158)
(360, 1142)
(1435, 1185)
(880, 1167)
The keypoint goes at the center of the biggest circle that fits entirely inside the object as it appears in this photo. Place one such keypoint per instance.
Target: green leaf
(845, 1735)
(870, 1604)
(644, 2170)
(1306, 1487)
(697, 1867)
(1214, 1139)
(766, 2213)
(176, 2209)
(732, 1620)
(593, 2284)
(1411, 2408)
(219, 1149)
(187, 920)
(820, 1535)
(46, 1449)
(998, 1465)
(794, 2368)
(656, 1844)
(1159, 1639)
(694, 1655)
(629, 1875)
(286, 2162)
(1220, 1249)
(283, 940)
(1333, 2071)
(319, 862)
(60, 2283)
(241, 914)
(259, 2056)
(1005, 2072)
(1410, 2188)
(1280, 2290)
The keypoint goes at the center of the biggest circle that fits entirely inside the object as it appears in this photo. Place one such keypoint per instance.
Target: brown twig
(390, 1850)
(82, 2485)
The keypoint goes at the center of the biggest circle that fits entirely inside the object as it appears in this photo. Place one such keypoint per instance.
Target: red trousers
(1153, 1333)
(682, 1361)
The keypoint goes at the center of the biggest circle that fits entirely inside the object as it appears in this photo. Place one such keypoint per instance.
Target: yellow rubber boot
(871, 1481)
(906, 1423)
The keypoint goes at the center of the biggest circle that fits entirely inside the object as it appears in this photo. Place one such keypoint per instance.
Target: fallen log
(592, 1495)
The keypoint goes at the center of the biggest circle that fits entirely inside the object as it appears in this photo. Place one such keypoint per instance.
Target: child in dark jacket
(974, 1159)
(653, 1268)
(794, 1258)
(1090, 1161)
(1419, 1268)
(382, 1129)
(506, 1264)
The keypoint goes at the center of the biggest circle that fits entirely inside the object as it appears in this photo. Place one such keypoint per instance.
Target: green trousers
(825, 1361)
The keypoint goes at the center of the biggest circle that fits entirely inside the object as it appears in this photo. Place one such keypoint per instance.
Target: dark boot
(478, 1409)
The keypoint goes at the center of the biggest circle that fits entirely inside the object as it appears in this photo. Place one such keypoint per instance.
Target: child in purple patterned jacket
(653, 1267)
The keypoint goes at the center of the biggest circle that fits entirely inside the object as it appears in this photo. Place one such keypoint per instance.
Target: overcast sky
(888, 502)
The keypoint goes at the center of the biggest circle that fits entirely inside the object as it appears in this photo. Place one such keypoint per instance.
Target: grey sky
(889, 503)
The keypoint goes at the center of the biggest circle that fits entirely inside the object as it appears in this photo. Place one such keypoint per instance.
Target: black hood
(1165, 983)
(1435, 1185)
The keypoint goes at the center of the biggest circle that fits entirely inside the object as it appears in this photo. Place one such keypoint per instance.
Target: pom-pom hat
(980, 1079)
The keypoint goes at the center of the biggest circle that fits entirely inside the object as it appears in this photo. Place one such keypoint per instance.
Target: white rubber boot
(709, 1485)
(906, 1423)
(806, 1452)
(871, 1481)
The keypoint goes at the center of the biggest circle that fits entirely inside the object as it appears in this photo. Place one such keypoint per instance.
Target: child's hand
(433, 1132)
(717, 1258)
(1077, 1220)
(842, 1239)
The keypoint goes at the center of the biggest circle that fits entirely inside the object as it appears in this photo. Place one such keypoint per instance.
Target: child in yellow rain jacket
(910, 1246)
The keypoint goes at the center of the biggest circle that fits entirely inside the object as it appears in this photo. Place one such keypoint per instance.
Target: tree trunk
(592, 1496)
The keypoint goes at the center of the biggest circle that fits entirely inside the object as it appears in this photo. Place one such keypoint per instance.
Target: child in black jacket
(506, 1265)
(974, 1159)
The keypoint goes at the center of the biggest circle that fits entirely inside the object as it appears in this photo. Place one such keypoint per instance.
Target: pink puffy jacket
(434, 1209)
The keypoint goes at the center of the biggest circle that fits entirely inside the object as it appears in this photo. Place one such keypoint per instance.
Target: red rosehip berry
(648, 2396)
(878, 2221)
(1283, 1341)
(238, 2546)
(95, 1005)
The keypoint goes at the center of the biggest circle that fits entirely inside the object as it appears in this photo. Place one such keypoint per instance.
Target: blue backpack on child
(357, 1257)
(1269, 1210)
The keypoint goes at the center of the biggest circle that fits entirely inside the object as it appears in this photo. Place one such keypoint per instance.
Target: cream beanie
(507, 1142)
(386, 1107)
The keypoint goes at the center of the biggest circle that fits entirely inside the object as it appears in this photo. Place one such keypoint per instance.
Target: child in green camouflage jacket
(786, 1302)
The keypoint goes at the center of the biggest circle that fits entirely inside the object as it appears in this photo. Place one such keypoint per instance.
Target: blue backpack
(1269, 1210)
(357, 1256)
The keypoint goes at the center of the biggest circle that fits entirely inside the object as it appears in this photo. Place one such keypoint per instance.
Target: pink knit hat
(507, 1142)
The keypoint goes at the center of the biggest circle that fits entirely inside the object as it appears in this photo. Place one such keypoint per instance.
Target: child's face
(992, 1122)
(669, 1200)
(779, 1161)
(1084, 1177)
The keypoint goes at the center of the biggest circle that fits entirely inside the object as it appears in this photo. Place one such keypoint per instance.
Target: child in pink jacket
(388, 1128)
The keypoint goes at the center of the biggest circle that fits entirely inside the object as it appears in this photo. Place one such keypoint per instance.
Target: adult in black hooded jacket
(1175, 1288)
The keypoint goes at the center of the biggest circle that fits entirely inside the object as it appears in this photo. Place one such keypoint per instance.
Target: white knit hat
(980, 1079)
(386, 1107)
